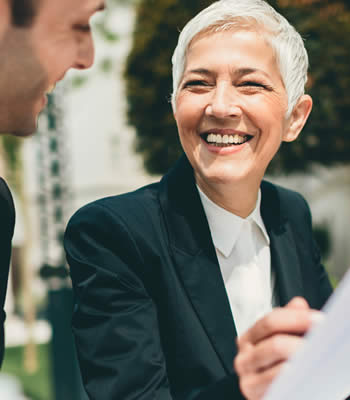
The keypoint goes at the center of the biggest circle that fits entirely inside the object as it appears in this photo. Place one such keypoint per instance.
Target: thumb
(298, 303)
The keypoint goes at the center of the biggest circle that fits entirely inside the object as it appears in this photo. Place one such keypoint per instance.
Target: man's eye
(85, 28)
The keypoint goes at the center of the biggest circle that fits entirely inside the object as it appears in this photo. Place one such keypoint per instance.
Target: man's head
(40, 40)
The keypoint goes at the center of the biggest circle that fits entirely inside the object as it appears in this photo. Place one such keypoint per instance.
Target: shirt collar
(225, 226)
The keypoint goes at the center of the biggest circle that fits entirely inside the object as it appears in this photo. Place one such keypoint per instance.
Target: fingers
(254, 386)
(296, 318)
(266, 354)
(266, 346)
(298, 303)
(301, 303)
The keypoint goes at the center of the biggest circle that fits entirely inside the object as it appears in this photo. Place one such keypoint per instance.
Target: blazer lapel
(195, 258)
(284, 256)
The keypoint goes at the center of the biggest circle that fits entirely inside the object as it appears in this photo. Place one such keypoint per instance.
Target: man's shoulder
(5, 194)
(7, 208)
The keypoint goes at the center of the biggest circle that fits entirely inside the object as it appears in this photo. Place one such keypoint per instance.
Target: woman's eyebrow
(246, 71)
(201, 71)
(237, 72)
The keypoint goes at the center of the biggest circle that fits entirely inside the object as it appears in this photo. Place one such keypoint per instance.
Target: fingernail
(317, 317)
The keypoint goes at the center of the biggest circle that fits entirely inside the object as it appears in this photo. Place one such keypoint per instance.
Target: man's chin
(26, 129)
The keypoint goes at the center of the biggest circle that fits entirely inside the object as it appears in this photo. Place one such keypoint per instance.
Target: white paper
(321, 368)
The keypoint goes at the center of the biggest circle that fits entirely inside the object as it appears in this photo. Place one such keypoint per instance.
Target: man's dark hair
(23, 12)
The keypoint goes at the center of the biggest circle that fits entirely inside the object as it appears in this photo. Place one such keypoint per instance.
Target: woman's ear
(298, 118)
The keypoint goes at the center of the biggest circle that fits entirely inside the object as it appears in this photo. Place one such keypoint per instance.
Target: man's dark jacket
(7, 223)
(152, 319)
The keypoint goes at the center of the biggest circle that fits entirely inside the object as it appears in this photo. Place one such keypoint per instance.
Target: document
(321, 368)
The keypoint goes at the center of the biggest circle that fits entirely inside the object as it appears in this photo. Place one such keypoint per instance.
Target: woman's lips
(225, 139)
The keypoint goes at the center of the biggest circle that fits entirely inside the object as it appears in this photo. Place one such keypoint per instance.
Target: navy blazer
(152, 319)
(7, 223)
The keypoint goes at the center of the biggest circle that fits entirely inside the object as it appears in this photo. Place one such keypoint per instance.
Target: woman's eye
(195, 83)
(255, 85)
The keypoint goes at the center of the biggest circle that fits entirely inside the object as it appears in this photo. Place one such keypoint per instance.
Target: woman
(168, 276)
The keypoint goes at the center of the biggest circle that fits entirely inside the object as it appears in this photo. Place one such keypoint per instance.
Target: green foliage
(326, 28)
(326, 137)
(78, 81)
(149, 82)
(102, 29)
(37, 386)
(106, 65)
(12, 149)
(12, 145)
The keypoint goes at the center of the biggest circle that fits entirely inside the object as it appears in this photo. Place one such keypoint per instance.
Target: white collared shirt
(243, 250)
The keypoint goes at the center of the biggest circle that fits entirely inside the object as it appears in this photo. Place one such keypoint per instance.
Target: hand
(265, 347)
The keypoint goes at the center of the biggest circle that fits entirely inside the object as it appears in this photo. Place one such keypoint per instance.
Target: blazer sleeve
(114, 319)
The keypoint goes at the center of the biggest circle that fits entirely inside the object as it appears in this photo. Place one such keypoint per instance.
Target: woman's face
(230, 107)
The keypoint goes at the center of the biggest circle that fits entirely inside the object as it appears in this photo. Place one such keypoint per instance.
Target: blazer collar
(195, 257)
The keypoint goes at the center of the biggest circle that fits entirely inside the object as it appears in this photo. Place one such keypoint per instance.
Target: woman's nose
(224, 103)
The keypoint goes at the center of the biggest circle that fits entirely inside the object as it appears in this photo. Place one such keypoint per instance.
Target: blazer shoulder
(280, 204)
(143, 198)
(117, 233)
(288, 199)
(136, 211)
(7, 208)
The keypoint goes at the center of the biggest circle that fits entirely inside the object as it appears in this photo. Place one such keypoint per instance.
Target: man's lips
(51, 88)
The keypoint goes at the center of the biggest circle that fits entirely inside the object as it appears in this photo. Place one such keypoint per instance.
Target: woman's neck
(239, 199)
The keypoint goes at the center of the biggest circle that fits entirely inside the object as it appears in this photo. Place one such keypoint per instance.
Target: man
(40, 40)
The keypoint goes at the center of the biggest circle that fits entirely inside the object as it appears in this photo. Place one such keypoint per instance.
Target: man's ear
(298, 118)
(4, 17)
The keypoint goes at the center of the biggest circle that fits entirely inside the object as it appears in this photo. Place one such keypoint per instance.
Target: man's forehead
(96, 5)
(87, 7)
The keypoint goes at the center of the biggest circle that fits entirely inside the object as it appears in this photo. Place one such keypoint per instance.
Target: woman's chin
(224, 175)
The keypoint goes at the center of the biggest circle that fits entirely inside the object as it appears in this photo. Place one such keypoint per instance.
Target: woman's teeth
(224, 140)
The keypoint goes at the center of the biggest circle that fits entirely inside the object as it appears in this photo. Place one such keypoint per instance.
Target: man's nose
(86, 54)
(225, 102)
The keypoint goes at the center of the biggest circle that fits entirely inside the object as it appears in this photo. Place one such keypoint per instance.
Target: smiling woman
(167, 277)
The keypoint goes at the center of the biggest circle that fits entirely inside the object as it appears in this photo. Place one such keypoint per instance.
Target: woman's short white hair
(223, 15)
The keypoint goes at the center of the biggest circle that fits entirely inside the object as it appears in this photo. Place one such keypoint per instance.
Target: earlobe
(298, 118)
